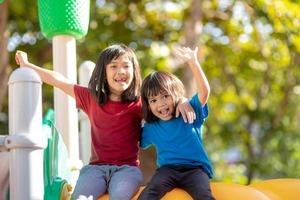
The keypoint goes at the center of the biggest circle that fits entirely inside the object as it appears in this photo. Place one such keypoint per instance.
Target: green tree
(252, 58)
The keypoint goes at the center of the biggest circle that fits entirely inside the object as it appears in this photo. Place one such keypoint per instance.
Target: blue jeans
(121, 182)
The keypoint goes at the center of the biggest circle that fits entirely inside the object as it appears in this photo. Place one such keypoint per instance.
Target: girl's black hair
(98, 83)
(156, 83)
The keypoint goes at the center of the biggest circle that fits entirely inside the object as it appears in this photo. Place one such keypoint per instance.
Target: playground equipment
(56, 170)
(31, 178)
(37, 170)
(63, 21)
(221, 191)
(25, 142)
(279, 189)
(85, 72)
(274, 189)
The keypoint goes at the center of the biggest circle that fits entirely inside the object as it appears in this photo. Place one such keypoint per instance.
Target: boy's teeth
(163, 112)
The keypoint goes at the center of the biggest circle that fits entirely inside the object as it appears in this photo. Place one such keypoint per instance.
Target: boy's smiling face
(162, 106)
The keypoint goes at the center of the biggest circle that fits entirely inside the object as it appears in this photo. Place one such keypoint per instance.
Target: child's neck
(114, 97)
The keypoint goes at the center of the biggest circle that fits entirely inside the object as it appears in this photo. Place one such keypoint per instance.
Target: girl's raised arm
(50, 77)
(191, 57)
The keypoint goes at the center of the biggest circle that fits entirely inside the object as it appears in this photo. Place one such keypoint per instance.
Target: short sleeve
(145, 139)
(200, 111)
(82, 98)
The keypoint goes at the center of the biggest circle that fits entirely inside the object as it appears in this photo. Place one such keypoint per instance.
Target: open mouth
(164, 112)
(121, 80)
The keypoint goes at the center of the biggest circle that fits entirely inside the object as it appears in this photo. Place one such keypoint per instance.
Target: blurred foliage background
(249, 52)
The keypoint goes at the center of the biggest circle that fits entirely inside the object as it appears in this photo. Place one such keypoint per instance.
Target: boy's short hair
(156, 83)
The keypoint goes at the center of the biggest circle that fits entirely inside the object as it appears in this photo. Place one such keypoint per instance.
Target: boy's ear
(149, 109)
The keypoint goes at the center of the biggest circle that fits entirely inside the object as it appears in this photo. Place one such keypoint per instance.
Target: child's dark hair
(98, 83)
(156, 83)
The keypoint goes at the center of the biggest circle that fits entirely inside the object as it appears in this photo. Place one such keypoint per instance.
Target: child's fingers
(191, 116)
(181, 111)
(181, 54)
(188, 114)
(178, 52)
(196, 49)
(177, 112)
(21, 57)
(184, 117)
(17, 59)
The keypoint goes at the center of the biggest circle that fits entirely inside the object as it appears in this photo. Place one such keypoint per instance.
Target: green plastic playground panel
(64, 17)
(56, 171)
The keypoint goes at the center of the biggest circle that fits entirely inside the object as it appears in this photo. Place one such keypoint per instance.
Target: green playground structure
(30, 141)
(38, 157)
(56, 172)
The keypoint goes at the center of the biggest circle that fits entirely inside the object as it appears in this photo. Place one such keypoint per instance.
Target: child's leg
(163, 181)
(91, 182)
(196, 183)
(124, 182)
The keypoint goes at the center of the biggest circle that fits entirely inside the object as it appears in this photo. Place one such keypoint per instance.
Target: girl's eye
(113, 66)
(152, 101)
(166, 96)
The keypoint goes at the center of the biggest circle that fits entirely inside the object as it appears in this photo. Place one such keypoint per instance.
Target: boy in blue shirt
(181, 157)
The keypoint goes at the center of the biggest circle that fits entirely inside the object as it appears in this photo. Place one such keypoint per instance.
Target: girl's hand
(21, 58)
(186, 110)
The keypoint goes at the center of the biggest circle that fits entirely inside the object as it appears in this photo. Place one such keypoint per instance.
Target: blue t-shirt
(177, 142)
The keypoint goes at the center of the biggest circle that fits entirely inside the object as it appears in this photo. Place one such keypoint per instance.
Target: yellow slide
(279, 189)
(274, 189)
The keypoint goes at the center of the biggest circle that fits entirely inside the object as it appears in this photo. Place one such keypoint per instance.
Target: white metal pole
(66, 115)
(85, 72)
(25, 140)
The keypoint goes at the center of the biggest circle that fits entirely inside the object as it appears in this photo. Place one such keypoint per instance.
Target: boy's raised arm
(50, 77)
(191, 57)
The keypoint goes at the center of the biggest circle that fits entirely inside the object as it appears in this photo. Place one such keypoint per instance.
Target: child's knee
(203, 194)
(119, 196)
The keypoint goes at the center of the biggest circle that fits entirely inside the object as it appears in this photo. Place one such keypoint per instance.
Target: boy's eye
(166, 96)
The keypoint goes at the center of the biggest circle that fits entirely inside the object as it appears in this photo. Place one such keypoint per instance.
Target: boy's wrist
(194, 63)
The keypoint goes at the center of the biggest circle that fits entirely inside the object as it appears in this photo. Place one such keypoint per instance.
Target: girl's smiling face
(162, 106)
(119, 75)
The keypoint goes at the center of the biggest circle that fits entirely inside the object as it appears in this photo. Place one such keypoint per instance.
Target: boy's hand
(21, 58)
(186, 110)
(187, 54)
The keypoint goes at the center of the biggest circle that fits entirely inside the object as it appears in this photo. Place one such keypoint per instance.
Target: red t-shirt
(115, 128)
